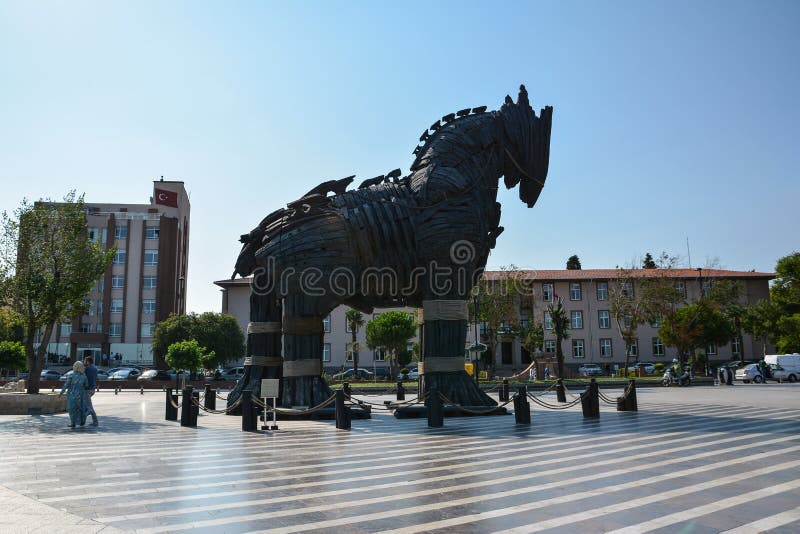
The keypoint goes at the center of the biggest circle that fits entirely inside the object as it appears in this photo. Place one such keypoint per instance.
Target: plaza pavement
(693, 460)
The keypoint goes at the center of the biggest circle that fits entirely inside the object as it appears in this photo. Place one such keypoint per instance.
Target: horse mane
(458, 132)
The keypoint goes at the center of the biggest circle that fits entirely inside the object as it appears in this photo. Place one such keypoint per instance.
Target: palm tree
(558, 316)
(354, 320)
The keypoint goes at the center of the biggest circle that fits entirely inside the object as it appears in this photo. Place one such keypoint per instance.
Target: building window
(380, 355)
(602, 290)
(550, 346)
(577, 348)
(656, 323)
(706, 288)
(151, 257)
(604, 319)
(87, 305)
(151, 232)
(120, 232)
(634, 348)
(99, 307)
(605, 348)
(148, 282)
(148, 306)
(484, 327)
(736, 347)
(147, 329)
(680, 287)
(548, 321)
(326, 352)
(711, 350)
(575, 291)
(86, 328)
(524, 322)
(547, 292)
(116, 305)
(101, 285)
(66, 329)
(115, 329)
(119, 257)
(576, 319)
(347, 325)
(348, 351)
(627, 320)
(104, 235)
(117, 281)
(658, 347)
(326, 323)
(627, 290)
(93, 234)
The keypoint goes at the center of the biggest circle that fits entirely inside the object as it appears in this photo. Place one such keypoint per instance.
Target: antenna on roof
(162, 178)
(688, 252)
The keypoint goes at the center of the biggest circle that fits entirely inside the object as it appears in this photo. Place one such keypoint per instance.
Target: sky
(673, 120)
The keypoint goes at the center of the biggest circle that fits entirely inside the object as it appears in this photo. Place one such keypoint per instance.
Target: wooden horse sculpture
(418, 240)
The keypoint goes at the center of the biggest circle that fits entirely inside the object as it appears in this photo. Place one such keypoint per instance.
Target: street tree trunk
(36, 357)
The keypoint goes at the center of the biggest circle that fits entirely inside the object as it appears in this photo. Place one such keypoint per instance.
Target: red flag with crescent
(167, 198)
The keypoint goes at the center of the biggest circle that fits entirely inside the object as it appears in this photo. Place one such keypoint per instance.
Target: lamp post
(700, 281)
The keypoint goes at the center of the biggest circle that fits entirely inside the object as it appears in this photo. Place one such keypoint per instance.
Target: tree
(785, 291)
(219, 333)
(391, 331)
(11, 328)
(648, 262)
(789, 338)
(761, 321)
(558, 316)
(12, 356)
(355, 320)
(531, 338)
(573, 263)
(186, 355)
(498, 300)
(47, 267)
(695, 326)
(629, 309)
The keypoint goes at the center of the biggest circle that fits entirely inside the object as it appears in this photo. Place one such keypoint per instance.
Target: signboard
(270, 388)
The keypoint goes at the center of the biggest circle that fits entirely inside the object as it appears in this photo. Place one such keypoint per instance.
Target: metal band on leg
(264, 361)
(445, 310)
(312, 367)
(272, 327)
(441, 365)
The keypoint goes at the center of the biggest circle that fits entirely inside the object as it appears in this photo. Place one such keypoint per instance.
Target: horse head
(526, 146)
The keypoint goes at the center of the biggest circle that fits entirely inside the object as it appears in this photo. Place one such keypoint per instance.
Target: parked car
(647, 368)
(125, 373)
(102, 375)
(382, 373)
(413, 374)
(48, 374)
(749, 372)
(66, 375)
(776, 372)
(363, 374)
(590, 369)
(155, 375)
(234, 373)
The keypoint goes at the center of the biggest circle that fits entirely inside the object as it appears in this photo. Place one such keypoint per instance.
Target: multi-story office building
(144, 284)
(594, 337)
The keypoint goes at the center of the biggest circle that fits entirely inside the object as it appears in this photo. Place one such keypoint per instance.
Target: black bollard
(627, 402)
(210, 398)
(188, 417)
(171, 412)
(141, 390)
(590, 400)
(249, 416)
(346, 389)
(522, 408)
(401, 391)
(561, 393)
(342, 412)
(195, 405)
(504, 391)
(435, 408)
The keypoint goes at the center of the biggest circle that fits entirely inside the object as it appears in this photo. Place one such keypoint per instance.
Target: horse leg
(303, 331)
(263, 358)
(444, 332)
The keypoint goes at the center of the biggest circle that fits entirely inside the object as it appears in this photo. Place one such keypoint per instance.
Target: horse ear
(509, 101)
(522, 99)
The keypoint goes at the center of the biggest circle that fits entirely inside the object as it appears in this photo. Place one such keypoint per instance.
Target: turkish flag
(167, 198)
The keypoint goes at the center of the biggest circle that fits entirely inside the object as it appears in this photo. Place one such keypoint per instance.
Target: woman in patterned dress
(75, 386)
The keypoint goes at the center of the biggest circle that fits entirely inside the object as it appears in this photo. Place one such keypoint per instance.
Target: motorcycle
(669, 378)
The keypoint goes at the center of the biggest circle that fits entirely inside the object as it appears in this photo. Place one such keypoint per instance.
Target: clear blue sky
(672, 119)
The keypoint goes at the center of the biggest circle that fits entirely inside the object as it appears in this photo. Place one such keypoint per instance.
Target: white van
(790, 362)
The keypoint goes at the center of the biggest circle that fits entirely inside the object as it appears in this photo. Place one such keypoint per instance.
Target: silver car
(749, 373)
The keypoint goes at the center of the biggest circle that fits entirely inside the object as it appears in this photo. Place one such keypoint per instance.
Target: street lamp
(700, 280)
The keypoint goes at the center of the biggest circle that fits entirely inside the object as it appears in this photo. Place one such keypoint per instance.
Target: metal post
(342, 412)
(435, 408)
(171, 412)
(249, 417)
(210, 398)
(590, 400)
(346, 389)
(561, 394)
(187, 410)
(522, 408)
(401, 391)
(504, 391)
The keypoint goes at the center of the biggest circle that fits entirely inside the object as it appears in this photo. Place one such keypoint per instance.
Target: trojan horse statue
(419, 240)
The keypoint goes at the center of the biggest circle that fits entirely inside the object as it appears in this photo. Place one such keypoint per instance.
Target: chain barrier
(220, 397)
(544, 404)
(521, 373)
(474, 412)
(288, 411)
(605, 398)
(227, 410)
(546, 391)
(568, 392)
(172, 402)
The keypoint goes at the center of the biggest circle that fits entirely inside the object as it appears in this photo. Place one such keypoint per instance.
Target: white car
(749, 373)
(590, 369)
(780, 374)
(125, 373)
(413, 374)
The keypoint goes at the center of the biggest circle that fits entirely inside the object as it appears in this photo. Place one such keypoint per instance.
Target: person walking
(91, 379)
(75, 386)
(762, 368)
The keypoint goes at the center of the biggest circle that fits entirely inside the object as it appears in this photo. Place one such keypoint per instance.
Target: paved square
(700, 459)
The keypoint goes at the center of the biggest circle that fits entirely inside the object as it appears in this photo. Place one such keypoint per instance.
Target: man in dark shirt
(91, 378)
